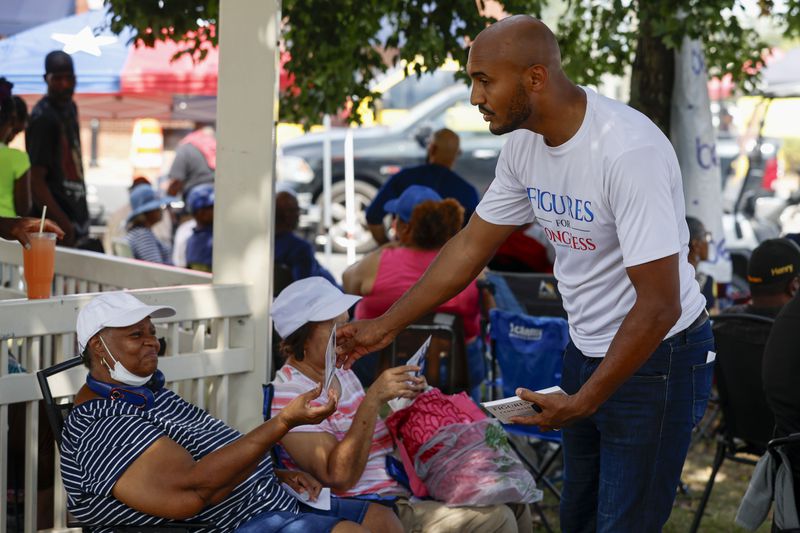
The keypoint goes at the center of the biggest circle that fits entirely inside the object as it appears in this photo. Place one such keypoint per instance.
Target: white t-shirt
(610, 197)
(180, 240)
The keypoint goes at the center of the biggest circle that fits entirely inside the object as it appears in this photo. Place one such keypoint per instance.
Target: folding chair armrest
(794, 438)
(269, 393)
(60, 367)
(55, 418)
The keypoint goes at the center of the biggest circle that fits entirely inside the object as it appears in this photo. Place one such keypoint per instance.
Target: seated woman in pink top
(423, 224)
(347, 452)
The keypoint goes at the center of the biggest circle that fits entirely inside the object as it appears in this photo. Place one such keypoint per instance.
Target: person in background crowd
(292, 253)
(605, 184)
(20, 119)
(116, 223)
(146, 210)
(436, 173)
(186, 228)
(195, 161)
(423, 224)
(199, 246)
(699, 239)
(779, 373)
(54, 145)
(15, 165)
(773, 274)
(348, 451)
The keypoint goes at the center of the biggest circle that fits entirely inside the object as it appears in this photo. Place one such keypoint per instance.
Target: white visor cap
(115, 310)
(312, 299)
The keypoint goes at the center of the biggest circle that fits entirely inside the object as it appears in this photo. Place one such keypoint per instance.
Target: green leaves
(339, 49)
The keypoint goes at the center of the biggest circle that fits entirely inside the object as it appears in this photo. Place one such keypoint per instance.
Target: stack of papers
(507, 408)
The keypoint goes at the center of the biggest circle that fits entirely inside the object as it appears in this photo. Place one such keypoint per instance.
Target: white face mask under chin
(122, 374)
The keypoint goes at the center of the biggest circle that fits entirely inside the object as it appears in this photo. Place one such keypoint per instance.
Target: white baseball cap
(312, 299)
(114, 310)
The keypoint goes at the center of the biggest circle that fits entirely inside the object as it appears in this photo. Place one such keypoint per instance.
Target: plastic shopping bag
(416, 424)
(473, 464)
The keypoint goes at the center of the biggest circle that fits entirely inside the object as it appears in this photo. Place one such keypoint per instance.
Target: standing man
(605, 185)
(436, 174)
(195, 161)
(54, 146)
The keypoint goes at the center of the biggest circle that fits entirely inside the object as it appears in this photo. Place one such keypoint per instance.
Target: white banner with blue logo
(692, 134)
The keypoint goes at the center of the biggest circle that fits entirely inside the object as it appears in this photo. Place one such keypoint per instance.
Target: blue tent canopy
(83, 36)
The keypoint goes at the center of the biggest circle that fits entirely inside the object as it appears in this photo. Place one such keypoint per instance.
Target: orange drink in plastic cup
(39, 262)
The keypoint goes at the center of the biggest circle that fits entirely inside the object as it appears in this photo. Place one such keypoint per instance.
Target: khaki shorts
(435, 517)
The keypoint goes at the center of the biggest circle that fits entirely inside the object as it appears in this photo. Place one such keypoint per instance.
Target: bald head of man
(443, 148)
(515, 66)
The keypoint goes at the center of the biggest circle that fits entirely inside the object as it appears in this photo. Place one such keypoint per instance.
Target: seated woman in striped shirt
(348, 450)
(146, 211)
(135, 453)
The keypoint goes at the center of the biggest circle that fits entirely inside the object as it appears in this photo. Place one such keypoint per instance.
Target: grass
(730, 485)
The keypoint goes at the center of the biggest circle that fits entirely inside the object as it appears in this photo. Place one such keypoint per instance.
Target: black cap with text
(774, 260)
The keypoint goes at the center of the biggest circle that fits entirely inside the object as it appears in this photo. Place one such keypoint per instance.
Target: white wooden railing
(78, 272)
(209, 341)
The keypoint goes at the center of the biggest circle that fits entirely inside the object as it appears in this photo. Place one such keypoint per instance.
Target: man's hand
(301, 482)
(396, 383)
(557, 410)
(300, 411)
(357, 339)
(18, 229)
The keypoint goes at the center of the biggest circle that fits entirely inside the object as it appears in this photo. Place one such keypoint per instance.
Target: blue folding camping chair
(528, 351)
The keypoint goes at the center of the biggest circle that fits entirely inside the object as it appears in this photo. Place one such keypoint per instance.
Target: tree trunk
(652, 76)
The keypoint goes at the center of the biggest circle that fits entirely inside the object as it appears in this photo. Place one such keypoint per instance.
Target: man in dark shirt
(54, 146)
(436, 174)
(773, 274)
(294, 256)
(781, 371)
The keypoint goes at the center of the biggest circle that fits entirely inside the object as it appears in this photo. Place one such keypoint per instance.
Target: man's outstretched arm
(458, 263)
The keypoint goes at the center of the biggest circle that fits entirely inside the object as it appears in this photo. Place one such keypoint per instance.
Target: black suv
(381, 151)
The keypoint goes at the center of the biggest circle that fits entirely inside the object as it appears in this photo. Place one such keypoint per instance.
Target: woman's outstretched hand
(301, 411)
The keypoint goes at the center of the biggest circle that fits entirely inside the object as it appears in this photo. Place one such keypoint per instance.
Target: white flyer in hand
(507, 408)
(330, 361)
(419, 358)
(323, 501)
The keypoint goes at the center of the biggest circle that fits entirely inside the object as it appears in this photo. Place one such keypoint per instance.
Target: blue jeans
(623, 464)
(308, 520)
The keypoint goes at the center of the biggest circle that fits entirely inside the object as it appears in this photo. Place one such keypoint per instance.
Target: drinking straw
(41, 223)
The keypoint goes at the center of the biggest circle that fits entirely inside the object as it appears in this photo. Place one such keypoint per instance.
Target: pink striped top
(290, 382)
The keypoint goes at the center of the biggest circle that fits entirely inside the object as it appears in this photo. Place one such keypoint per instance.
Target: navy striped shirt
(102, 438)
(145, 246)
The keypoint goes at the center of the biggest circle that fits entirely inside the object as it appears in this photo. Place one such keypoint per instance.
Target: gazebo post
(243, 240)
